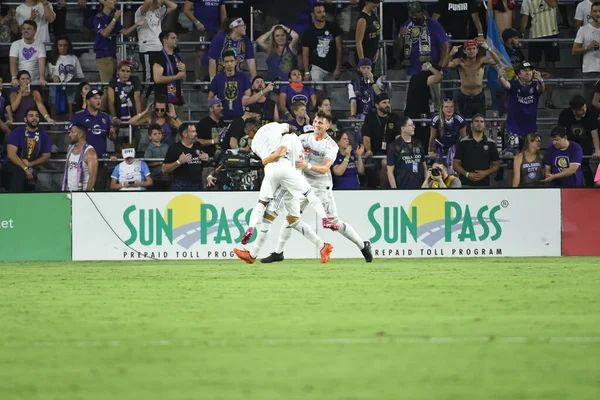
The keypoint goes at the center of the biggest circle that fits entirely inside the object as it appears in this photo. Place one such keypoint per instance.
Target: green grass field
(394, 329)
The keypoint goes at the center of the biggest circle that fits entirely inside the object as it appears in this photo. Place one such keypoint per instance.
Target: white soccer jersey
(267, 139)
(295, 151)
(316, 152)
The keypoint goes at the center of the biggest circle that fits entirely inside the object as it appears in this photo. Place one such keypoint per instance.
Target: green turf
(345, 330)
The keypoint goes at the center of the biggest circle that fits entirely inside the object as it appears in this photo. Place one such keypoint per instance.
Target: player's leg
(297, 185)
(265, 195)
(286, 230)
(294, 221)
(345, 229)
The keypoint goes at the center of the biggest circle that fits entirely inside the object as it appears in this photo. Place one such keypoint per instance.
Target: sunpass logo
(431, 217)
(185, 221)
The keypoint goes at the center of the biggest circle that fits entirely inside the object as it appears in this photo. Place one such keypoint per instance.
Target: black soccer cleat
(366, 252)
(274, 257)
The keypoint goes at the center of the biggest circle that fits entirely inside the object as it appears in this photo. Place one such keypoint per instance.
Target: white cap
(127, 153)
(308, 129)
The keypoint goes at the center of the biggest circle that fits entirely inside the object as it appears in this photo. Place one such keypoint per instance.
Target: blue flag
(494, 41)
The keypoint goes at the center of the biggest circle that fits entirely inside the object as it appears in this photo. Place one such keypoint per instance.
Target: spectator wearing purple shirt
(99, 129)
(296, 91)
(27, 148)
(563, 161)
(232, 87)
(107, 26)
(348, 163)
(363, 89)
(206, 15)
(421, 40)
(234, 40)
(523, 96)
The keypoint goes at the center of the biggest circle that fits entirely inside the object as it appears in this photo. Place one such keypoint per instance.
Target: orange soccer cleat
(245, 255)
(326, 253)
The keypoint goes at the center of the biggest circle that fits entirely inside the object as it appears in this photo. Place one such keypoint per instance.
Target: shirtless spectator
(503, 13)
(471, 99)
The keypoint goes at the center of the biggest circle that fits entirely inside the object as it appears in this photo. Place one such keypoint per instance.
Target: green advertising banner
(35, 226)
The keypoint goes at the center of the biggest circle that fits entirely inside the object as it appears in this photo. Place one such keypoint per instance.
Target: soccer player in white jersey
(279, 155)
(320, 151)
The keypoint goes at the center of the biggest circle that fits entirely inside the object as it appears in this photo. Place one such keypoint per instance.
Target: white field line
(401, 340)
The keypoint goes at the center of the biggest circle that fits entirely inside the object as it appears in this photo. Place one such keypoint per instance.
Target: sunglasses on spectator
(160, 109)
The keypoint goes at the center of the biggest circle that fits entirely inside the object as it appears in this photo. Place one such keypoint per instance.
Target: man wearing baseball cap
(511, 38)
(523, 97)
(471, 98)
(563, 160)
(99, 129)
(210, 128)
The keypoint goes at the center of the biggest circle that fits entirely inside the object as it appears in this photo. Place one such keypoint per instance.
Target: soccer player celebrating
(320, 153)
(279, 155)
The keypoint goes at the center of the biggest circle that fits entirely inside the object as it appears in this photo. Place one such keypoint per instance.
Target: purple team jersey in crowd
(560, 160)
(349, 179)
(521, 118)
(293, 96)
(32, 148)
(208, 12)
(98, 129)
(437, 37)
(231, 90)
(105, 47)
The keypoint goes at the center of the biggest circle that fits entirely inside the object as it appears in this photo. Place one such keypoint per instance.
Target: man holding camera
(438, 177)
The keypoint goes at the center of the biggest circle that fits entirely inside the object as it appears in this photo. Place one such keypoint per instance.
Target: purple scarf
(65, 186)
(171, 87)
(124, 91)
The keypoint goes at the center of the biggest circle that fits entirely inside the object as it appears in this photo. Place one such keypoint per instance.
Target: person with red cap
(471, 99)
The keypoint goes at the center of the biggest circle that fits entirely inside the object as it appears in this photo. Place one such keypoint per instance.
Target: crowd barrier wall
(453, 223)
(581, 222)
(208, 225)
(35, 227)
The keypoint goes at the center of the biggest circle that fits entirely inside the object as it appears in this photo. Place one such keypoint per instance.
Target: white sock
(261, 237)
(349, 233)
(257, 213)
(284, 235)
(308, 233)
(316, 204)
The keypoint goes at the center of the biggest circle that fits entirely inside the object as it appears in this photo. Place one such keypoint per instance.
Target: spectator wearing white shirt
(583, 14)
(131, 174)
(543, 26)
(63, 66)
(28, 54)
(42, 13)
(154, 12)
(587, 43)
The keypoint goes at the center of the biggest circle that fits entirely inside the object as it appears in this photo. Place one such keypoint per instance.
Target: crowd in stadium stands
(442, 138)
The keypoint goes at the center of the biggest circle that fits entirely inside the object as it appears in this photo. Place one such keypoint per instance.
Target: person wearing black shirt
(211, 127)
(454, 17)
(581, 123)
(185, 160)
(378, 131)
(322, 49)
(511, 37)
(235, 130)
(367, 31)
(406, 158)
(169, 72)
(418, 96)
(476, 156)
